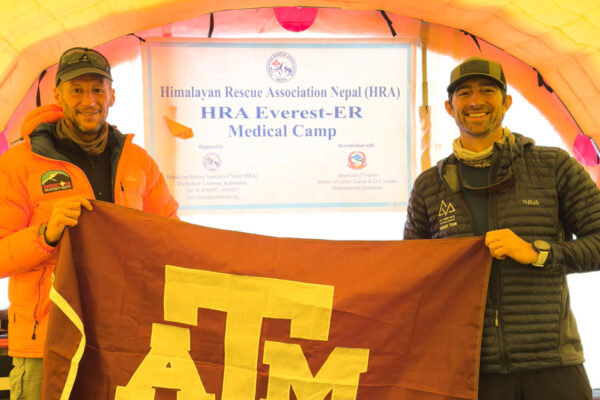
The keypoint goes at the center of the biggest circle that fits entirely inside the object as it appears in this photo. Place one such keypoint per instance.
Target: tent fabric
(550, 48)
(3, 143)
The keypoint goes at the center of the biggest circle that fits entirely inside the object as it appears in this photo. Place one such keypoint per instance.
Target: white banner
(240, 125)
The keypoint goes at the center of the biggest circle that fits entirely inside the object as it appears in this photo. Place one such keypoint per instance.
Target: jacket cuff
(42, 239)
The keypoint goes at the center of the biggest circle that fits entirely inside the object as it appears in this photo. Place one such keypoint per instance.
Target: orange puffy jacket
(32, 178)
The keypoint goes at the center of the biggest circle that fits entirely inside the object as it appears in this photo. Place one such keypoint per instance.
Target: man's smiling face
(85, 101)
(478, 106)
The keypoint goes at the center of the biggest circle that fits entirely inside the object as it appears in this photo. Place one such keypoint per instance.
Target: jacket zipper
(498, 323)
(34, 328)
(117, 176)
(93, 172)
(497, 314)
(37, 303)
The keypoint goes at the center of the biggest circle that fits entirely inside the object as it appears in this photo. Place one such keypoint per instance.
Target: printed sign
(238, 125)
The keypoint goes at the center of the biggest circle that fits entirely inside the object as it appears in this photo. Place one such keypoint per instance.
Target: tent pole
(424, 109)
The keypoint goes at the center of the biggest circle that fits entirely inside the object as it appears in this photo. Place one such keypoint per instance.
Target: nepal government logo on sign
(357, 160)
(281, 67)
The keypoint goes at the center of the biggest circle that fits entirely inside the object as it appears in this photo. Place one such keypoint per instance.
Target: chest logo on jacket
(446, 214)
(53, 181)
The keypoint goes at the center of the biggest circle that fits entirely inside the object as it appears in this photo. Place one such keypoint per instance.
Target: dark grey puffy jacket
(528, 321)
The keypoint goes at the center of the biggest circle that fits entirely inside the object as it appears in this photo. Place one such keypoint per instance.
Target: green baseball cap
(80, 61)
(474, 67)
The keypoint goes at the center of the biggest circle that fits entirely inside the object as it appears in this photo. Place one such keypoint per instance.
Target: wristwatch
(543, 248)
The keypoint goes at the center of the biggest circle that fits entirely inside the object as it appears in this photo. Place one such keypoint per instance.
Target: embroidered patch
(53, 181)
(445, 209)
(447, 216)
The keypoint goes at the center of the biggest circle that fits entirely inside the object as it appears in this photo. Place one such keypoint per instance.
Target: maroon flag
(146, 307)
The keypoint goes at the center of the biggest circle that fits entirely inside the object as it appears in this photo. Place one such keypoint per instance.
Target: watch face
(541, 245)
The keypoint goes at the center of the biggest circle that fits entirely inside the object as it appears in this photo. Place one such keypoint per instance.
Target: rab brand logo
(53, 181)
(247, 300)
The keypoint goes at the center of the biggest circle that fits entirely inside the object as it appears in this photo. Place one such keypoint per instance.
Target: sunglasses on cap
(78, 61)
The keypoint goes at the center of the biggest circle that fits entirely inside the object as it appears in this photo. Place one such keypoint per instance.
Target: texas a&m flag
(146, 308)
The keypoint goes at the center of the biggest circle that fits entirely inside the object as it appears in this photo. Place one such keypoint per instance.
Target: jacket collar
(504, 156)
(42, 141)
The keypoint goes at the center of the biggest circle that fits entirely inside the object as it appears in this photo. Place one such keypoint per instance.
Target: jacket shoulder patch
(53, 181)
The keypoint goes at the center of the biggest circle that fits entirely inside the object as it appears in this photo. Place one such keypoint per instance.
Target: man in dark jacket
(540, 213)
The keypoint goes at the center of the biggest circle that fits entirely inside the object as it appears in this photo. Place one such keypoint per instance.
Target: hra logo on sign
(212, 161)
(281, 67)
(357, 160)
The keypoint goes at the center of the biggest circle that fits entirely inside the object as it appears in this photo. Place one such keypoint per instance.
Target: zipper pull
(34, 328)
(496, 320)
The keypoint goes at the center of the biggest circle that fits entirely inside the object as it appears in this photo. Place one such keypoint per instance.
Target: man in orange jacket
(74, 156)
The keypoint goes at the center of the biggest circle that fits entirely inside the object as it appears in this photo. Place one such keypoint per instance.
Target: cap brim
(463, 78)
(68, 75)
